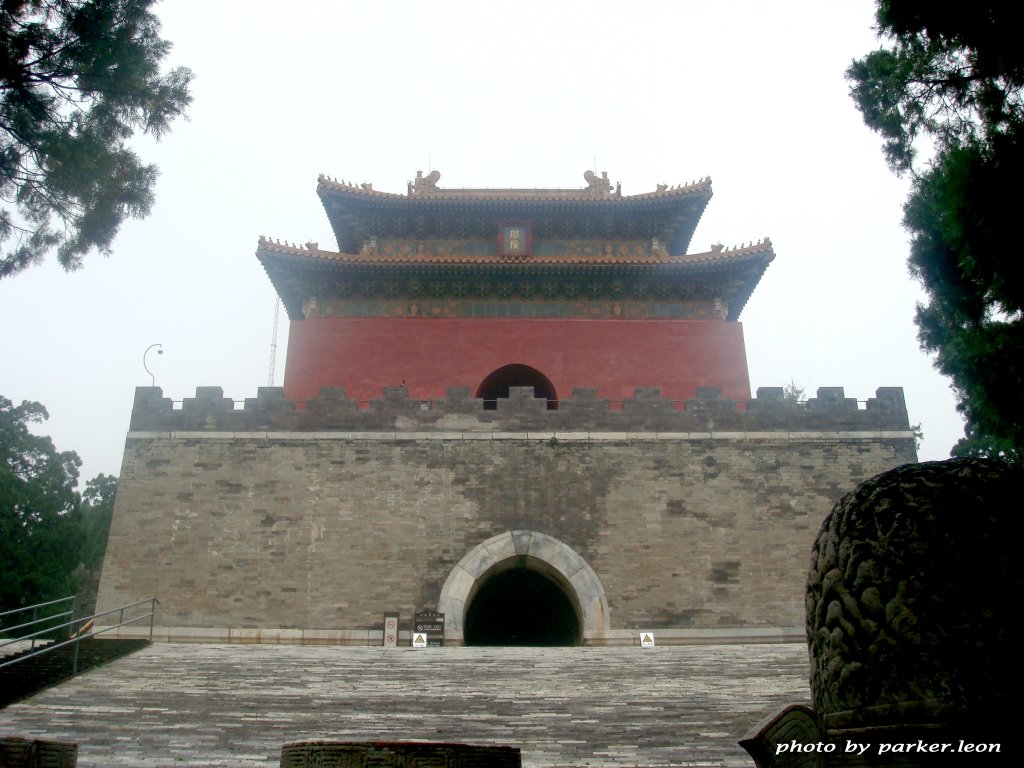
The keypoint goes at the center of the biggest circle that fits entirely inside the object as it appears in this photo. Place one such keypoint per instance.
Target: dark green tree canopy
(951, 82)
(953, 73)
(40, 531)
(77, 80)
(97, 513)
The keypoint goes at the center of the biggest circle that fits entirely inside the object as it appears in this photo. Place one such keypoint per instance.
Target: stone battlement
(647, 411)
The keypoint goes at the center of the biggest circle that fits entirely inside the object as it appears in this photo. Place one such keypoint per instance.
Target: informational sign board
(431, 624)
(391, 630)
(646, 639)
(419, 639)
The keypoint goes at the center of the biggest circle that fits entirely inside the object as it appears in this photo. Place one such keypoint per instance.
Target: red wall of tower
(364, 355)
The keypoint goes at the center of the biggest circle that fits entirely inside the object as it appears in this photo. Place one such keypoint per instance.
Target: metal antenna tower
(273, 343)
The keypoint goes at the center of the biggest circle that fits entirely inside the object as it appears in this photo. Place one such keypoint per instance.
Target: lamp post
(159, 351)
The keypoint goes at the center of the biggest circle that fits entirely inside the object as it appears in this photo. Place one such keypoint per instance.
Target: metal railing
(69, 611)
(76, 629)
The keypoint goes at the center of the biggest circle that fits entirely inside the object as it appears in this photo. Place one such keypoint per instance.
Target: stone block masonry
(306, 521)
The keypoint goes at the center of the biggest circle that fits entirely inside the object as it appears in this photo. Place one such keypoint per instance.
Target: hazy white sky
(491, 95)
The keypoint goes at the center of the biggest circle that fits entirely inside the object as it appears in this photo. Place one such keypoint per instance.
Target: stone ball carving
(914, 587)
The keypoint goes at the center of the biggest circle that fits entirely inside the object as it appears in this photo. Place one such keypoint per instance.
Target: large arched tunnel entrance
(523, 587)
(521, 606)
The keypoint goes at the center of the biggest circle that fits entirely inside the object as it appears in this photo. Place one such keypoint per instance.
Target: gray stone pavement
(235, 705)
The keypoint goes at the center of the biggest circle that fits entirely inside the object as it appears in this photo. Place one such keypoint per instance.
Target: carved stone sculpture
(912, 596)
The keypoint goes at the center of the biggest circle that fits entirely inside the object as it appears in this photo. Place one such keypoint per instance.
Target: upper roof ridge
(426, 187)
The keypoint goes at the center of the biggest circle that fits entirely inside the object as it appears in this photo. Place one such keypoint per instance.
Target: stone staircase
(42, 670)
(212, 706)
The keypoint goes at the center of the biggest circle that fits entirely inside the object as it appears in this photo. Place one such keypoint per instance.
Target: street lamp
(159, 351)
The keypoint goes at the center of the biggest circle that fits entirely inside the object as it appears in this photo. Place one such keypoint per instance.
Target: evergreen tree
(77, 79)
(41, 533)
(97, 513)
(950, 84)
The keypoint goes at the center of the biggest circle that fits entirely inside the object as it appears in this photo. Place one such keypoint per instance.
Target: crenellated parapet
(769, 413)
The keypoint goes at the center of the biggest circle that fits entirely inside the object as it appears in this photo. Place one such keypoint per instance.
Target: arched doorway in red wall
(497, 383)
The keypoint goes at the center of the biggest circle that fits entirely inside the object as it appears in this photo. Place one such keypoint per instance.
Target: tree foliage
(97, 513)
(77, 80)
(41, 532)
(794, 392)
(950, 85)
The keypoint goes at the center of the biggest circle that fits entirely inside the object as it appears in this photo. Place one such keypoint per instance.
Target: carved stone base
(16, 752)
(340, 754)
(793, 738)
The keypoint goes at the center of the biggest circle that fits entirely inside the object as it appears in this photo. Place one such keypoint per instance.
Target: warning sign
(430, 623)
(646, 639)
(419, 639)
(391, 630)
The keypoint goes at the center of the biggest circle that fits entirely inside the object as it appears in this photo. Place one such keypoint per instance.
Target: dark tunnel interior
(521, 607)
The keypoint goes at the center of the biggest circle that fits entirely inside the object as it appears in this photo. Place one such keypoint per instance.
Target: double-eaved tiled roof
(592, 231)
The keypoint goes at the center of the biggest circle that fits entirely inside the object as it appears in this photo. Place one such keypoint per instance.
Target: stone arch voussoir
(557, 555)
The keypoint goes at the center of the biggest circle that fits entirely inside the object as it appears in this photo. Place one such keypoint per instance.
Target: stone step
(236, 705)
(36, 672)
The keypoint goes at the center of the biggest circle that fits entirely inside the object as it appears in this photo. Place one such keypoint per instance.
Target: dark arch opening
(521, 607)
(497, 384)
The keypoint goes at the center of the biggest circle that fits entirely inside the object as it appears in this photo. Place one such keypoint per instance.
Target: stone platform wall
(697, 520)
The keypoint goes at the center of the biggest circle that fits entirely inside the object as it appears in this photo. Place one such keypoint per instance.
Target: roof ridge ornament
(765, 244)
(424, 184)
(599, 185)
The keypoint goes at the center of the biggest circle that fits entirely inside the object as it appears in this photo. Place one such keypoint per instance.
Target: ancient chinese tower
(486, 288)
(526, 409)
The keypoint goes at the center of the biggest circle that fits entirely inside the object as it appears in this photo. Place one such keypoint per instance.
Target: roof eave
(283, 261)
(342, 202)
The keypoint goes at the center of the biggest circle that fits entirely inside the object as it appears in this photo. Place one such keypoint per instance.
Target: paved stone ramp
(235, 705)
